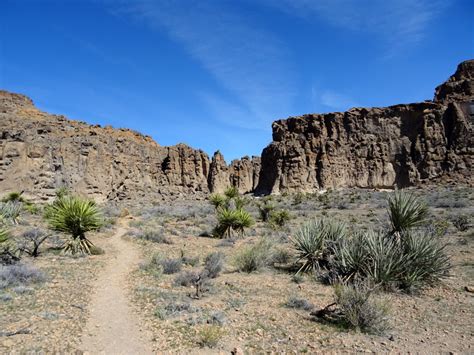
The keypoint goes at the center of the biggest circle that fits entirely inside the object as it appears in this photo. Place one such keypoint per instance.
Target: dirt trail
(112, 327)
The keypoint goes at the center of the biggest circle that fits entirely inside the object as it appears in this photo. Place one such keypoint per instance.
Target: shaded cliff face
(399, 145)
(41, 152)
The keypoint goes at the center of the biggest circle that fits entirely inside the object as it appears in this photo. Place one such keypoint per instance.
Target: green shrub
(253, 257)
(265, 210)
(314, 243)
(14, 196)
(210, 335)
(74, 216)
(280, 218)
(230, 221)
(406, 212)
(9, 253)
(10, 211)
(218, 201)
(231, 192)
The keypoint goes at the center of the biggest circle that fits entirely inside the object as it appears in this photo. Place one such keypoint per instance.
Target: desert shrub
(95, 250)
(10, 211)
(281, 256)
(314, 243)
(425, 260)
(214, 263)
(218, 201)
(9, 253)
(231, 192)
(226, 243)
(230, 221)
(406, 212)
(19, 274)
(358, 309)
(265, 209)
(299, 303)
(461, 222)
(280, 218)
(190, 260)
(253, 257)
(14, 196)
(156, 236)
(186, 278)
(171, 266)
(416, 259)
(74, 216)
(31, 241)
(210, 335)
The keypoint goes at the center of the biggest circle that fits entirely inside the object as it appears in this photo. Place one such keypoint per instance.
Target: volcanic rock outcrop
(399, 145)
(41, 152)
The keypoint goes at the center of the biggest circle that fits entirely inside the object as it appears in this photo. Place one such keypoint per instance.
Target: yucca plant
(351, 256)
(231, 192)
(425, 260)
(315, 242)
(74, 216)
(265, 209)
(14, 196)
(10, 211)
(279, 218)
(232, 220)
(406, 211)
(218, 201)
(9, 253)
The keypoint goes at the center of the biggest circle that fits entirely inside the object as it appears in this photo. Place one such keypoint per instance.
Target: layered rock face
(41, 152)
(399, 145)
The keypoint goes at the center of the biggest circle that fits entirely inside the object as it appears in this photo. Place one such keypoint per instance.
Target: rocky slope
(364, 147)
(41, 152)
(399, 145)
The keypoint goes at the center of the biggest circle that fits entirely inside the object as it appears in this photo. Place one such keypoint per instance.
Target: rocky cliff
(41, 152)
(399, 145)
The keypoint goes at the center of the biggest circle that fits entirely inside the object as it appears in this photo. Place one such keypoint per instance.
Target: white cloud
(248, 62)
(397, 23)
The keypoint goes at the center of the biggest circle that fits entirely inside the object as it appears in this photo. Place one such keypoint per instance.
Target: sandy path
(112, 327)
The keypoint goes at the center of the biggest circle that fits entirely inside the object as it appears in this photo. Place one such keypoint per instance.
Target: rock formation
(41, 152)
(399, 145)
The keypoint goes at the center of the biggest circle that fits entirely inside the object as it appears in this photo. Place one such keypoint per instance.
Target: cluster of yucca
(232, 218)
(403, 257)
(269, 213)
(74, 216)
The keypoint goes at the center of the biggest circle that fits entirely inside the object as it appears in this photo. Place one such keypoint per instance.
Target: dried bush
(461, 222)
(209, 336)
(156, 236)
(214, 263)
(186, 278)
(254, 257)
(19, 274)
(31, 241)
(299, 303)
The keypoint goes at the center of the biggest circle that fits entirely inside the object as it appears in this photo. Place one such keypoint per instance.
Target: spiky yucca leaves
(351, 255)
(279, 218)
(218, 201)
(231, 192)
(232, 220)
(315, 243)
(14, 196)
(265, 209)
(406, 211)
(74, 216)
(9, 253)
(10, 211)
(425, 260)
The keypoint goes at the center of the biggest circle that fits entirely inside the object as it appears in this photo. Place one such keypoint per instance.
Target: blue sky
(215, 73)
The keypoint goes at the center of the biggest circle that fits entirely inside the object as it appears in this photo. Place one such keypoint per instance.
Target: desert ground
(138, 292)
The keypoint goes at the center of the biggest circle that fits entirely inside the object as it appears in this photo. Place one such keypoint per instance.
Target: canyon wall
(401, 145)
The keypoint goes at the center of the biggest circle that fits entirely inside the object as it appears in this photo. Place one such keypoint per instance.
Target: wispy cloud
(335, 101)
(248, 62)
(399, 24)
